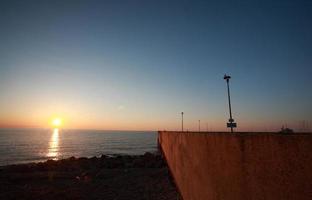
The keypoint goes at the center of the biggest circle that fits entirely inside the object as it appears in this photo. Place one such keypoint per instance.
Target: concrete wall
(208, 166)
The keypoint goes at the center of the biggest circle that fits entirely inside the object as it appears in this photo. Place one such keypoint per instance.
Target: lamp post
(182, 113)
(231, 123)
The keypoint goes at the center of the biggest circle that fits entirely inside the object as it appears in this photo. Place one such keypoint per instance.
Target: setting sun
(57, 122)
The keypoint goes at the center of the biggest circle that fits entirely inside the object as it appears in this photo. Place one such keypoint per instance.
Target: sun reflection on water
(53, 150)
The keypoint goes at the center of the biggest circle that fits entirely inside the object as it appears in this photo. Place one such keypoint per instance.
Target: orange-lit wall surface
(209, 166)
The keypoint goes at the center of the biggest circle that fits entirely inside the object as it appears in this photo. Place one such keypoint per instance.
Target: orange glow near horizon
(75, 118)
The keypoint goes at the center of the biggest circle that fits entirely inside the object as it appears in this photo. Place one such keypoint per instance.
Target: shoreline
(105, 177)
(74, 158)
(111, 155)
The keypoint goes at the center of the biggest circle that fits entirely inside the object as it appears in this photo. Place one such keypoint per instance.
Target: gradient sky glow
(137, 64)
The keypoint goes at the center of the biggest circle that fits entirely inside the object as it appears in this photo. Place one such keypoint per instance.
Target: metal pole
(228, 87)
(198, 125)
(182, 120)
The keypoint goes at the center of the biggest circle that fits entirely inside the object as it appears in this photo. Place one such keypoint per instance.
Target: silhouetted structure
(231, 123)
(286, 130)
(182, 113)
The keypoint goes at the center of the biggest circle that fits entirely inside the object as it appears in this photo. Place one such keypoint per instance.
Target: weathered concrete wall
(208, 166)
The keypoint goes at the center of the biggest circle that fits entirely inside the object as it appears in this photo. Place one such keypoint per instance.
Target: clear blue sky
(138, 64)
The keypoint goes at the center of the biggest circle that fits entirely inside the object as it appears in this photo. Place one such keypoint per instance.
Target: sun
(57, 122)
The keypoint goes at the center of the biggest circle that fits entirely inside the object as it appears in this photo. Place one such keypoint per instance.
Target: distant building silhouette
(286, 130)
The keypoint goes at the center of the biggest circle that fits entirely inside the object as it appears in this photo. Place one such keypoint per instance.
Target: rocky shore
(105, 177)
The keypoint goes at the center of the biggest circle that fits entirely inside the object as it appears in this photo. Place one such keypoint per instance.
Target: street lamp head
(226, 77)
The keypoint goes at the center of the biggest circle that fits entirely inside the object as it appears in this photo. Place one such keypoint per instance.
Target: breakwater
(240, 165)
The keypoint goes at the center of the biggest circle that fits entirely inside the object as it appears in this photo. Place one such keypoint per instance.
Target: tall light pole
(198, 125)
(182, 113)
(231, 123)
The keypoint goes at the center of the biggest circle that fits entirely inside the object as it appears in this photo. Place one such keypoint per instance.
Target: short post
(182, 113)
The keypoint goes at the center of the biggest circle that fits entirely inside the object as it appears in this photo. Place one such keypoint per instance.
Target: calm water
(33, 145)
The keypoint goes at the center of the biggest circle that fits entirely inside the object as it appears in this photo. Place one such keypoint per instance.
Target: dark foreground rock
(118, 178)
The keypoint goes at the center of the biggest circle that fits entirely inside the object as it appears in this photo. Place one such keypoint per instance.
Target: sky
(136, 65)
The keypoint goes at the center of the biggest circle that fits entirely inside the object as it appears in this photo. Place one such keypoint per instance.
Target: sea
(36, 145)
